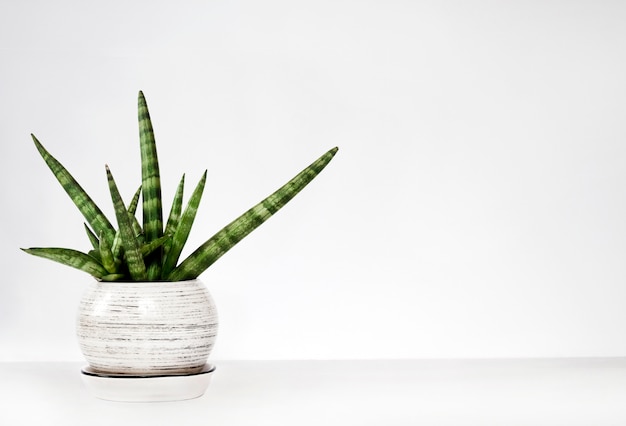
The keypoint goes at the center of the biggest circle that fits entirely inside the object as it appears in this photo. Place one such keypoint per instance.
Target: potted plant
(146, 314)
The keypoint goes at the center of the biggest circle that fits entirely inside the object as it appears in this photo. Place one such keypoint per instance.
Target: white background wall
(477, 206)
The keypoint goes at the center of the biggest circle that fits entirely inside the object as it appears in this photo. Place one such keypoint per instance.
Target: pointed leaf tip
(40, 147)
(132, 254)
(92, 213)
(239, 228)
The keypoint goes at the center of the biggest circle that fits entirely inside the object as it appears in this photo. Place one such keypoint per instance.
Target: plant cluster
(150, 251)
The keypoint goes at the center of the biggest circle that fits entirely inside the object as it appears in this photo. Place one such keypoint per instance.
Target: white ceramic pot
(147, 328)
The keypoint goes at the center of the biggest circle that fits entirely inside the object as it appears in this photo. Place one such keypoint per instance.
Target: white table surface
(569, 392)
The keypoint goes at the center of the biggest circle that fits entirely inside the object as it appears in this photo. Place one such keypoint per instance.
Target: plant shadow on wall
(146, 313)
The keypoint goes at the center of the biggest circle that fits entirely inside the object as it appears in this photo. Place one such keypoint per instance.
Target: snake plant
(150, 251)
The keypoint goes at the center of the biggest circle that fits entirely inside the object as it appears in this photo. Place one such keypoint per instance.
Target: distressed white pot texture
(147, 328)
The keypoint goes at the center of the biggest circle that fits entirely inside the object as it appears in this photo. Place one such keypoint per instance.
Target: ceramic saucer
(129, 388)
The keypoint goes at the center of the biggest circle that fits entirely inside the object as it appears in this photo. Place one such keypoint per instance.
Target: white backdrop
(476, 208)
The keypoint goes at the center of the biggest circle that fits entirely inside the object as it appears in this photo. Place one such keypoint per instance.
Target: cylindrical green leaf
(151, 187)
(132, 252)
(107, 256)
(234, 232)
(95, 243)
(174, 217)
(92, 213)
(184, 227)
(70, 257)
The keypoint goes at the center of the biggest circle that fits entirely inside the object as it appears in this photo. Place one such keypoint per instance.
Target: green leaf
(132, 252)
(136, 228)
(234, 232)
(116, 247)
(132, 207)
(174, 217)
(113, 277)
(182, 230)
(146, 249)
(95, 253)
(92, 237)
(92, 213)
(151, 184)
(69, 257)
(107, 256)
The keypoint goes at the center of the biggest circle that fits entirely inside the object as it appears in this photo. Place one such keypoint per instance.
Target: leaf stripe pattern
(231, 234)
(92, 237)
(132, 252)
(151, 186)
(174, 217)
(92, 213)
(132, 206)
(184, 227)
(145, 251)
(107, 256)
(70, 257)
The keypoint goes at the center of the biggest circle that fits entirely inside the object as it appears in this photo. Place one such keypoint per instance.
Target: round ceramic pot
(147, 328)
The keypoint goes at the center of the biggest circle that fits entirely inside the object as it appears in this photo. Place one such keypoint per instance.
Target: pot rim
(142, 281)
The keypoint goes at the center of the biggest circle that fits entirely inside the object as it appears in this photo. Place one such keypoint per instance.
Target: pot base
(130, 388)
